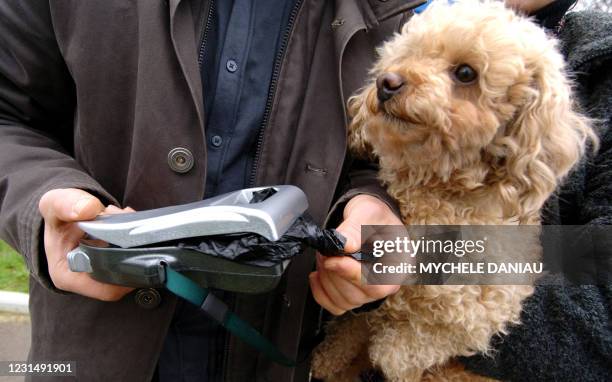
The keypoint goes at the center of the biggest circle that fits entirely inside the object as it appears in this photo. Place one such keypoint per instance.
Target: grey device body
(220, 215)
(135, 259)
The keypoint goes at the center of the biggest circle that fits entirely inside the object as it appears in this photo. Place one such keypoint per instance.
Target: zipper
(217, 360)
(206, 23)
(260, 138)
(204, 33)
(273, 82)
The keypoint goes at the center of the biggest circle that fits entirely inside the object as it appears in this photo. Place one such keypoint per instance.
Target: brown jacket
(95, 94)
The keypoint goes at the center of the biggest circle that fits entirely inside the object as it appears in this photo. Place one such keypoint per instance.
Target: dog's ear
(359, 111)
(548, 135)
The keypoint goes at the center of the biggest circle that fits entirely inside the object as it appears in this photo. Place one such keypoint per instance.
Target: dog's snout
(388, 84)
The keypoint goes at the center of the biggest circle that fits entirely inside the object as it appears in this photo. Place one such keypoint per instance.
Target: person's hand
(336, 285)
(61, 208)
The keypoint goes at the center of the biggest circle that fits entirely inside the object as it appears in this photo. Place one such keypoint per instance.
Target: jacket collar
(184, 42)
(380, 10)
(351, 16)
(369, 13)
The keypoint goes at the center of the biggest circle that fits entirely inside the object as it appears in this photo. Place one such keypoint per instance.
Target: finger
(88, 287)
(349, 269)
(345, 267)
(334, 293)
(354, 296)
(110, 293)
(69, 205)
(111, 210)
(83, 284)
(58, 241)
(321, 296)
(376, 292)
(351, 230)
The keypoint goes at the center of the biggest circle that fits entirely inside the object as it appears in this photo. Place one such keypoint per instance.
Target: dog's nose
(388, 84)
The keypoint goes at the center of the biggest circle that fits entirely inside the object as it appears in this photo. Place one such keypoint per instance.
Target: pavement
(14, 302)
(14, 340)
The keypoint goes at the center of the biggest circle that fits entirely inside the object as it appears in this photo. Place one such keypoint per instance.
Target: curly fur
(491, 152)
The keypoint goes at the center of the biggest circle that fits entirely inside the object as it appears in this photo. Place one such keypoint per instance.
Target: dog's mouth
(404, 119)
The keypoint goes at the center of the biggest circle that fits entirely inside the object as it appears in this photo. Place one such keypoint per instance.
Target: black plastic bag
(260, 196)
(256, 250)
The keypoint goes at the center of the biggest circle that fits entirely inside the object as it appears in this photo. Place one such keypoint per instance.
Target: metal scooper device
(133, 249)
(155, 248)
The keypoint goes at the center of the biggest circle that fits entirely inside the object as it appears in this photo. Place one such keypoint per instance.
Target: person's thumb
(351, 230)
(69, 205)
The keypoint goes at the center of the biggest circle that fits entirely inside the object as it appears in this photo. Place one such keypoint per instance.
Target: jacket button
(148, 298)
(180, 160)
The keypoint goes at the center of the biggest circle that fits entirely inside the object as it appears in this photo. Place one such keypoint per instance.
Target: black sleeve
(37, 101)
(550, 16)
(565, 335)
(362, 178)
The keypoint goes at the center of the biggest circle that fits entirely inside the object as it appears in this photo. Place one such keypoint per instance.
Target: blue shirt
(240, 46)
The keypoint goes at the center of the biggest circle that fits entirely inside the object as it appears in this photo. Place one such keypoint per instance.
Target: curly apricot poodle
(470, 114)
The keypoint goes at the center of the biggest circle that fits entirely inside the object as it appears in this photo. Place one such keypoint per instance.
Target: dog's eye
(465, 74)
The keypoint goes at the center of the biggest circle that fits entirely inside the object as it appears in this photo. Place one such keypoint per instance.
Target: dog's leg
(354, 371)
(424, 326)
(453, 372)
(393, 352)
(336, 358)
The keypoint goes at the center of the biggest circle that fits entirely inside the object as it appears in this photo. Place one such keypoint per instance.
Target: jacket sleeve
(37, 100)
(362, 178)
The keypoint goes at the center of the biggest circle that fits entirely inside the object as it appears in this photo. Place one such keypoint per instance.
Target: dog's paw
(346, 339)
(353, 371)
(323, 366)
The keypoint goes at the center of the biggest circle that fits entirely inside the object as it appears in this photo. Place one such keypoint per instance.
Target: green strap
(183, 286)
(186, 288)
